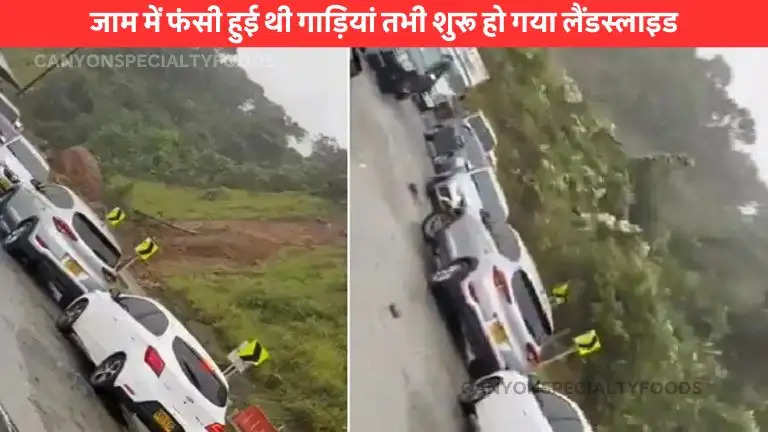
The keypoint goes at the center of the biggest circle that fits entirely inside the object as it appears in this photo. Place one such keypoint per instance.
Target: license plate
(4, 184)
(164, 420)
(498, 334)
(72, 266)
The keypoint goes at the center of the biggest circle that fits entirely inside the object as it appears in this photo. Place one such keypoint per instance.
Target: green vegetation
(202, 127)
(186, 203)
(296, 304)
(672, 302)
(206, 143)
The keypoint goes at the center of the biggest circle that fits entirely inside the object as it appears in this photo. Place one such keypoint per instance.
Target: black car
(393, 78)
(355, 62)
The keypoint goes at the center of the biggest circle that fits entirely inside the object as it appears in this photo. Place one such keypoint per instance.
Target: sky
(310, 83)
(749, 87)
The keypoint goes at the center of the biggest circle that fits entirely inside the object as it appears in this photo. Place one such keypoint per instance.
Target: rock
(80, 170)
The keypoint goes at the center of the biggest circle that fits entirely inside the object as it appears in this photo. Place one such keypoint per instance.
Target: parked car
(9, 128)
(355, 62)
(508, 400)
(50, 228)
(500, 301)
(397, 74)
(21, 162)
(460, 184)
(164, 378)
(457, 139)
(10, 112)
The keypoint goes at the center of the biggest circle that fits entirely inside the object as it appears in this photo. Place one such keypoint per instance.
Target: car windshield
(58, 196)
(29, 158)
(560, 414)
(535, 319)
(146, 313)
(489, 194)
(482, 131)
(96, 240)
(199, 373)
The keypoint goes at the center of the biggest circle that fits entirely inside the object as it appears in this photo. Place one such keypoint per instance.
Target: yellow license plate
(72, 266)
(4, 184)
(498, 334)
(164, 420)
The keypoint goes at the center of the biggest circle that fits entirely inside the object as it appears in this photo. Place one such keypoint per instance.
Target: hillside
(261, 252)
(655, 297)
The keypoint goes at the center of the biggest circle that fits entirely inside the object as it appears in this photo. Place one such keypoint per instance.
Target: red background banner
(68, 24)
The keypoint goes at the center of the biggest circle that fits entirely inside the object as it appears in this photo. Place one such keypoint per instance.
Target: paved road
(404, 372)
(42, 381)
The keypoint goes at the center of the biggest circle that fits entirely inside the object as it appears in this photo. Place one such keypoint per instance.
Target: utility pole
(46, 72)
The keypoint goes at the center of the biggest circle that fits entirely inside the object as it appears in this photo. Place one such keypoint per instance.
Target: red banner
(198, 23)
(252, 419)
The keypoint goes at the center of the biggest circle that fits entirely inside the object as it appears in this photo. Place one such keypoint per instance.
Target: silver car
(56, 232)
(498, 300)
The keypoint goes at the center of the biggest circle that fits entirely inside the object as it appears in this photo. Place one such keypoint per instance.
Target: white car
(163, 376)
(22, 163)
(508, 400)
(70, 248)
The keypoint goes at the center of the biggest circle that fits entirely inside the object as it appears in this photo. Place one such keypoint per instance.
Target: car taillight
(154, 361)
(472, 293)
(531, 354)
(41, 242)
(64, 228)
(500, 282)
(215, 427)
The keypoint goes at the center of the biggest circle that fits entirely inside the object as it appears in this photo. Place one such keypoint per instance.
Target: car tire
(434, 223)
(475, 391)
(65, 321)
(444, 284)
(105, 374)
(15, 242)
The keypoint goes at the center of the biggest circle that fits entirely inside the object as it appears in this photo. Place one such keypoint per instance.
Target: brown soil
(235, 243)
(78, 168)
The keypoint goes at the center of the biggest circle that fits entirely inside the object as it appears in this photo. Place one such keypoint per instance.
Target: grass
(296, 304)
(184, 203)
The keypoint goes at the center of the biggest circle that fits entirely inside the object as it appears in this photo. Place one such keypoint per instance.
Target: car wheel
(105, 374)
(433, 224)
(474, 392)
(70, 315)
(14, 241)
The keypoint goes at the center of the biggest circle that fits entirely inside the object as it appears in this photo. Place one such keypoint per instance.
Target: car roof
(181, 331)
(33, 149)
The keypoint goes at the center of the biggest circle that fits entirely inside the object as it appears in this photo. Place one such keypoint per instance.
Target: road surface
(405, 372)
(43, 384)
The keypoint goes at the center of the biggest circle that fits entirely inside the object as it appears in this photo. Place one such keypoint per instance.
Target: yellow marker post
(560, 293)
(587, 343)
(146, 249)
(116, 216)
(253, 352)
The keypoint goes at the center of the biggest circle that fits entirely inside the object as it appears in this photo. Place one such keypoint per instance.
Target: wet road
(43, 383)
(405, 372)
